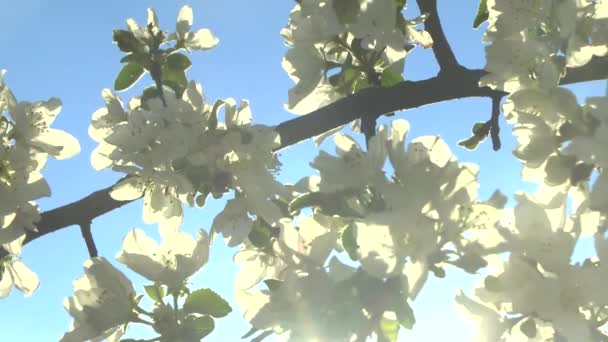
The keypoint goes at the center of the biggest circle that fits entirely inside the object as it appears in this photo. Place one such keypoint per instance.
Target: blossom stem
(136, 319)
(141, 311)
(175, 307)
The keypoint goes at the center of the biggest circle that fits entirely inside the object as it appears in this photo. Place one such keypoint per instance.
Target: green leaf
(174, 79)
(273, 284)
(200, 199)
(482, 14)
(405, 314)
(149, 93)
(260, 234)
(439, 272)
(129, 74)
(193, 329)
(389, 78)
(359, 84)
(346, 10)
(142, 58)
(178, 61)
(336, 203)
(471, 262)
(492, 283)
(480, 128)
(306, 200)
(349, 242)
(350, 75)
(126, 41)
(400, 4)
(528, 327)
(470, 143)
(155, 292)
(389, 329)
(206, 302)
(251, 331)
(581, 172)
(480, 132)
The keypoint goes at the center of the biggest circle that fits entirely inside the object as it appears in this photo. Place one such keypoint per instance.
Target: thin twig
(85, 229)
(368, 127)
(494, 125)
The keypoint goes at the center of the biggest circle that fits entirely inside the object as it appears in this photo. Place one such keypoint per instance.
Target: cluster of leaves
(145, 53)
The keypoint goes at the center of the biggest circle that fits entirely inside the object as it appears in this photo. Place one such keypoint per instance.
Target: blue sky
(64, 49)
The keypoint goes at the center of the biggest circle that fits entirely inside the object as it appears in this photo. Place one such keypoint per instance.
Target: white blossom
(102, 304)
(171, 263)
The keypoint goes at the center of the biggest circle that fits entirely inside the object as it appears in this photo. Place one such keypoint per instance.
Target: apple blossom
(171, 263)
(102, 304)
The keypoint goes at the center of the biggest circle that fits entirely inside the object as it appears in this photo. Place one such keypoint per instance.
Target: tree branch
(494, 125)
(441, 48)
(85, 230)
(371, 101)
(83, 210)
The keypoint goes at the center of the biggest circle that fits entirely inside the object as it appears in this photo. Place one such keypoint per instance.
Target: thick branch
(370, 102)
(441, 48)
(375, 102)
(463, 83)
(83, 210)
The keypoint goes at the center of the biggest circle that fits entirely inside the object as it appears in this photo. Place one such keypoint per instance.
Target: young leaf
(206, 302)
(492, 283)
(349, 242)
(482, 14)
(142, 58)
(178, 61)
(405, 314)
(149, 93)
(155, 292)
(480, 132)
(528, 327)
(389, 78)
(335, 203)
(126, 41)
(196, 328)
(273, 284)
(470, 143)
(471, 262)
(389, 330)
(129, 74)
(260, 234)
(174, 79)
(400, 4)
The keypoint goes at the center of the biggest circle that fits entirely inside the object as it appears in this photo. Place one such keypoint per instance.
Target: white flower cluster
(177, 152)
(397, 229)
(104, 300)
(174, 151)
(537, 294)
(26, 141)
(366, 39)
